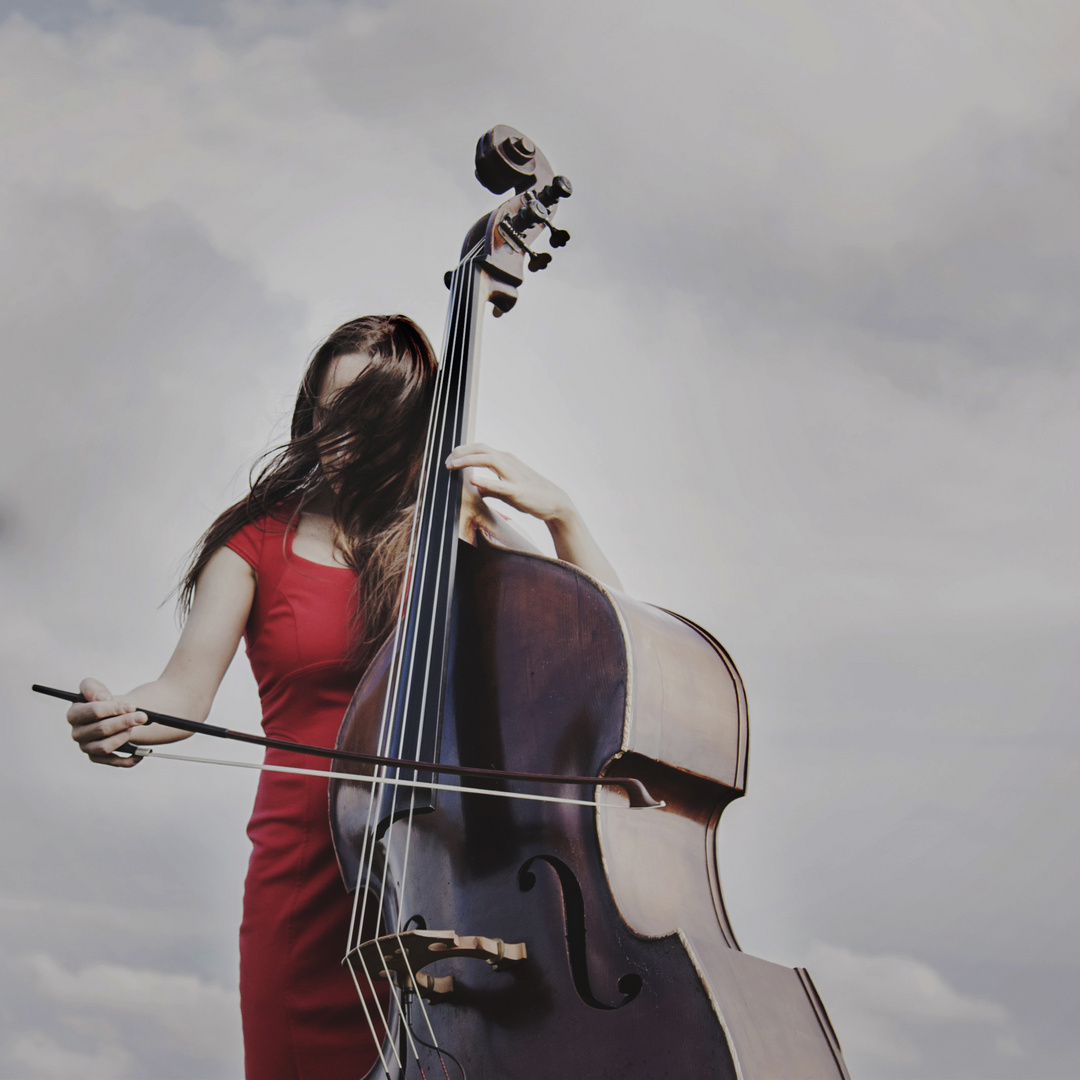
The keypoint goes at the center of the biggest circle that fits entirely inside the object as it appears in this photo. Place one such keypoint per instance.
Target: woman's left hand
(526, 490)
(513, 482)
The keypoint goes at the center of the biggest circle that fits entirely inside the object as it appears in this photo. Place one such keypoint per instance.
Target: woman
(308, 568)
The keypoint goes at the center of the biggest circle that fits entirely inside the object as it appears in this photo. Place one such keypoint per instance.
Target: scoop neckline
(311, 562)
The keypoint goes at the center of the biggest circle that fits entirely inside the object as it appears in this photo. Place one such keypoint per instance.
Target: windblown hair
(372, 431)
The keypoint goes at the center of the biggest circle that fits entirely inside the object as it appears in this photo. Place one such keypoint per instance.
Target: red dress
(301, 1014)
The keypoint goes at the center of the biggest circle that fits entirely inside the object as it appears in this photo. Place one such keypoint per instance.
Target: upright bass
(533, 923)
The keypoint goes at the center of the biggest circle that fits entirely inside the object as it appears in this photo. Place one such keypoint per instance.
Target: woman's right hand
(101, 724)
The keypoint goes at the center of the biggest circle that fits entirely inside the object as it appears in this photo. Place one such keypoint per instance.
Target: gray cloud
(888, 998)
(807, 364)
(119, 321)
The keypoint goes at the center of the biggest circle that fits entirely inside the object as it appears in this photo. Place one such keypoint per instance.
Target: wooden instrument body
(632, 970)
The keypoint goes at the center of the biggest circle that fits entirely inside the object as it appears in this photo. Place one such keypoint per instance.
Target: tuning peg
(532, 212)
(559, 188)
(538, 260)
(559, 237)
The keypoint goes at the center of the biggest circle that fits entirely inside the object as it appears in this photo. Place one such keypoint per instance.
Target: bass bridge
(402, 957)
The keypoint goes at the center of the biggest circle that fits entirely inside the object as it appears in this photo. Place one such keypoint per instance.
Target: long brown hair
(373, 430)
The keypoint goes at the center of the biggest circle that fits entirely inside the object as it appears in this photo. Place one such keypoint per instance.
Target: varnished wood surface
(686, 706)
(632, 971)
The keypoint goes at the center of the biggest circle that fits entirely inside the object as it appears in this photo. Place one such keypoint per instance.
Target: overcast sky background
(809, 366)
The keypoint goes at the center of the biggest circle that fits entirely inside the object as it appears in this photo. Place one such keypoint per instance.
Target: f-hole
(629, 985)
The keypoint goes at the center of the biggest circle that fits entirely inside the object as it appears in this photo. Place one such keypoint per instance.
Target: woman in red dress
(307, 568)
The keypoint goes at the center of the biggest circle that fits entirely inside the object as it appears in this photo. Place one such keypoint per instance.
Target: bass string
(365, 867)
(452, 370)
(403, 615)
(366, 864)
(447, 535)
(372, 1027)
(405, 609)
(406, 642)
(452, 414)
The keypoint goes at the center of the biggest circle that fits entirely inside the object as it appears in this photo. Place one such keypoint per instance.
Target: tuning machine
(559, 188)
(531, 212)
(535, 211)
(538, 260)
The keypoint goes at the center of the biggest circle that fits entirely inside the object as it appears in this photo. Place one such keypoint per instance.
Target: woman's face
(339, 374)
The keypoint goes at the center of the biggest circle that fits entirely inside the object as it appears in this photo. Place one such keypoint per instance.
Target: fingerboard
(413, 723)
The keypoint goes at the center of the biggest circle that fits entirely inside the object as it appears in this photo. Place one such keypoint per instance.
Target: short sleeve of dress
(248, 544)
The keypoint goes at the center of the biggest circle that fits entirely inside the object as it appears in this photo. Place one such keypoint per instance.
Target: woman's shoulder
(250, 540)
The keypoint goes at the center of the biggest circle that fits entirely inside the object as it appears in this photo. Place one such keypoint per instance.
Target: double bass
(542, 921)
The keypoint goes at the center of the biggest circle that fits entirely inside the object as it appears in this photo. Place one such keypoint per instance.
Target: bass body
(609, 951)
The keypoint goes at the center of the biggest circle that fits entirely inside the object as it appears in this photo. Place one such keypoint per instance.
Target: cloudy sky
(809, 366)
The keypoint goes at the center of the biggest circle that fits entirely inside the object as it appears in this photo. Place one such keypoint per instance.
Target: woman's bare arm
(191, 678)
(526, 490)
